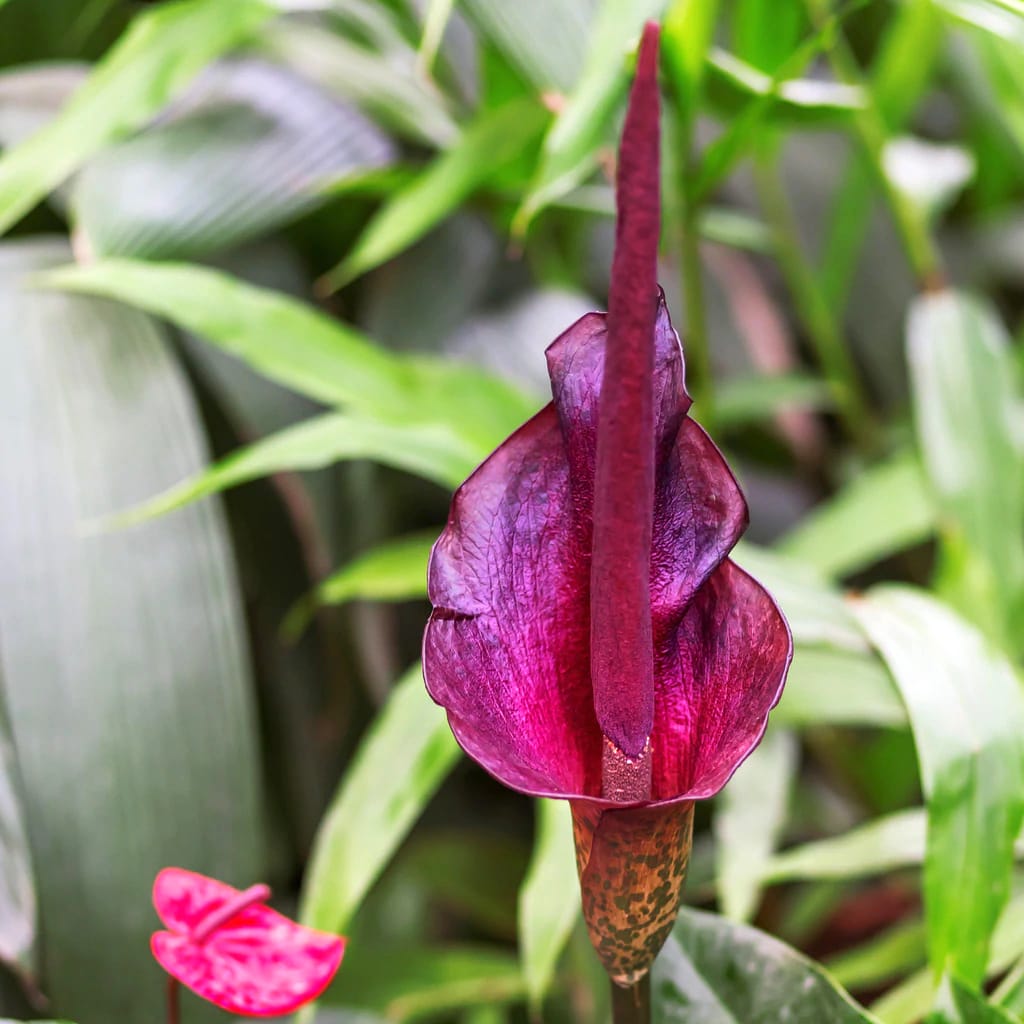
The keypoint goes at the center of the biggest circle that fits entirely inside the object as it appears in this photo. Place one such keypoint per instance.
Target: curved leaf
(245, 149)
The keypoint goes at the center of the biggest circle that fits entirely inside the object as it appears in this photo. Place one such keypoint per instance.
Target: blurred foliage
(317, 248)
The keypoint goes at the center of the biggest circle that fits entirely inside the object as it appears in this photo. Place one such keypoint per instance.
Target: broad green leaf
(432, 451)
(882, 510)
(966, 711)
(151, 63)
(766, 32)
(550, 59)
(582, 125)
(18, 949)
(416, 982)
(549, 901)
(393, 571)
(244, 150)
(714, 971)
(744, 400)
(494, 140)
(125, 671)
(387, 85)
(885, 844)
(750, 814)
(401, 761)
(840, 687)
(293, 344)
(884, 958)
(969, 427)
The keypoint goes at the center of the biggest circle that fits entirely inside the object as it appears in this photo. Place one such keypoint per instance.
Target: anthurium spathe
(229, 947)
(590, 638)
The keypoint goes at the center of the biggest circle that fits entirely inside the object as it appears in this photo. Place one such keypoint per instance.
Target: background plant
(317, 249)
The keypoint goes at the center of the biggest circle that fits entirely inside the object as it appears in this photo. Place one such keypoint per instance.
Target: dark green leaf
(714, 971)
(126, 681)
(966, 711)
(415, 982)
(401, 761)
(164, 49)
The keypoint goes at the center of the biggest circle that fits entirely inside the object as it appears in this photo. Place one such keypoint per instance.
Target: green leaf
(882, 510)
(383, 82)
(885, 844)
(18, 950)
(162, 51)
(550, 59)
(714, 971)
(816, 611)
(967, 414)
(840, 687)
(404, 757)
(32, 96)
(295, 345)
(766, 32)
(414, 982)
(733, 84)
(432, 451)
(686, 35)
(884, 958)
(493, 141)
(750, 814)
(549, 901)
(394, 571)
(744, 400)
(972, 1008)
(967, 714)
(582, 125)
(125, 672)
(245, 150)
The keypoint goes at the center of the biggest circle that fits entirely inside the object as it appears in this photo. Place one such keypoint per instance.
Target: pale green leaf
(125, 657)
(968, 418)
(404, 757)
(549, 901)
(162, 51)
(18, 949)
(882, 510)
(966, 711)
(885, 844)
(744, 400)
(582, 124)
(750, 814)
(883, 958)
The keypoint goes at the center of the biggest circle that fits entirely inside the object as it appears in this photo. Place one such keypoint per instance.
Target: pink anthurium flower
(590, 638)
(230, 948)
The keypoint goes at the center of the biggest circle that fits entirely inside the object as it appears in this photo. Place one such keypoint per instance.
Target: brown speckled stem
(632, 1005)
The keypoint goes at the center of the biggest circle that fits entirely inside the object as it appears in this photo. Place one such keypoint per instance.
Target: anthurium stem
(173, 1002)
(632, 1004)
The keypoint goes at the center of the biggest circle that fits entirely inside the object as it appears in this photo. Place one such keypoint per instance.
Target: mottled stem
(632, 1004)
(224, 913)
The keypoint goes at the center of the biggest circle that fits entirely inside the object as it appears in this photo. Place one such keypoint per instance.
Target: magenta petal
(506, 651)
(183, 899)
(719, 674)
(253, 971)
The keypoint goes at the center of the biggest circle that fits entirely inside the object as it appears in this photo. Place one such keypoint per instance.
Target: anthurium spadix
(590, 639)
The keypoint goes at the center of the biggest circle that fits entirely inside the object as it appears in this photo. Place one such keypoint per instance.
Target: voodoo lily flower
(590, 640)
(232, 949)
